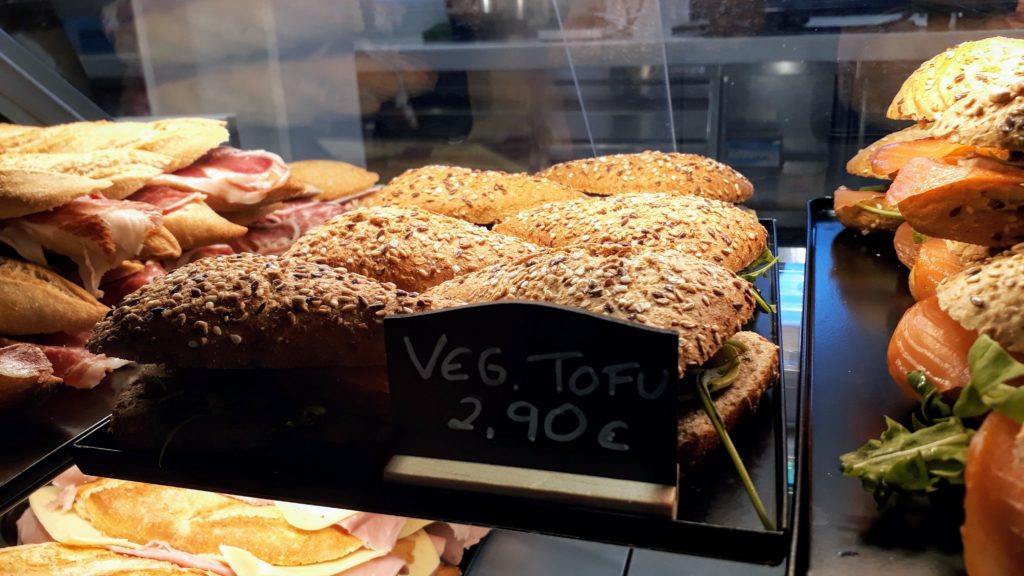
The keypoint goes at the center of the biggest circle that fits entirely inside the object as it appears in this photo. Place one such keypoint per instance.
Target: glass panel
(784, 90)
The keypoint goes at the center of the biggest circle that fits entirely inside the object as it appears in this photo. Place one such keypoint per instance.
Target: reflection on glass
(784, 90)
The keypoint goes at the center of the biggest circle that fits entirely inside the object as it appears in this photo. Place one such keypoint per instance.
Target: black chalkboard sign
(536, 386)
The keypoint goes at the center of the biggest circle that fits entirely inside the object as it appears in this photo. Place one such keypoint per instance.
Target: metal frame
(33, 93)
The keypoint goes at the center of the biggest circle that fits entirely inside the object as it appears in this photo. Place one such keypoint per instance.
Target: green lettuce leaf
(991, 369)
(904, 467)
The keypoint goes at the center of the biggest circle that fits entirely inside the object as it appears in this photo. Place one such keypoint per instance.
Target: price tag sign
(536, 386)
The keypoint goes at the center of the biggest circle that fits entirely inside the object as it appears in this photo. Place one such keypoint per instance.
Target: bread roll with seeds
(477, 196)
(36, 300)
(199, 522)
(413, 249)
(987, 298)
(702, 301)
(701, 227)
(334, 179)
(254, 311)
(651, 171)
(971, 94)
(759, 370)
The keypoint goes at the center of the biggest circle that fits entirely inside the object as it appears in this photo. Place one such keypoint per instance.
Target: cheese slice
(424, 556)
(312, 518)
(245, 564)
(412, 525)
(68, 527)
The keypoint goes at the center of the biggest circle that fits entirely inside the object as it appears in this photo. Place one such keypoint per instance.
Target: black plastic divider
(855, 291)
(716, 519)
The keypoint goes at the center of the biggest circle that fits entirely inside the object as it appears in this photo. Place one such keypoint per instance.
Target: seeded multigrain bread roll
(987, 297)
(411, 248)
(253, 311)
(705, 228)
(702, 301)
(971, 94)
(651, 171)
(477, 196)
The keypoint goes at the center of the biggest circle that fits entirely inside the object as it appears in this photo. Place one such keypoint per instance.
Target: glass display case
(783, 91)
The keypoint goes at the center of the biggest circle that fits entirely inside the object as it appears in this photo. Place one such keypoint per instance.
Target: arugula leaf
(880, 211)
(933, 407)
(991, 369)
(878, 188)
(718, 373)
(918, 237)
(760, 266)
(904, 467)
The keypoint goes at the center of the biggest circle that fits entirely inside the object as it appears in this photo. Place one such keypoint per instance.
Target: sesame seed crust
(652, 171)
(702, 301)
(987, 297)
(254, 311)
(708, 229)
(412, 248)
(477, 196)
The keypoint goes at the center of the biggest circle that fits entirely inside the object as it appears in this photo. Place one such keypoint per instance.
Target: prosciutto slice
(115, 290)
(165, 198)
(237, 177)
(96, 233)
(72, 363)
(274, 233)
(200, 253)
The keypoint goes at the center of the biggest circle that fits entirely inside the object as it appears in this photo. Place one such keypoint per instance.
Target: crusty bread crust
(35, 300)
(478, 196)
(183, 140)
(160, 244)
(334, 179)
(128, 170)
(199, 522)
(972, 93)
(652, 171)
(708, 229)
(412, 248)
(860, 165)
(27, 191)
(702, 301)
(53, 559)
(987, 297)
(253, 311)
(196, 224)
(759, 370)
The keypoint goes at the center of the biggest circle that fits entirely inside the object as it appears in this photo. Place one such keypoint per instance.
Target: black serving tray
(715, 516)
(35, 444)
(855, 292)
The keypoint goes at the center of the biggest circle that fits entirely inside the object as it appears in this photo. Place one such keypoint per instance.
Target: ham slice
(377, 531)
(236, 177)
(30, 530)
(165, 198)
(274, 233)
(157, 550)
(68, 481)
(96, 233)
(115, 290)
(457, 538)
(72, 363)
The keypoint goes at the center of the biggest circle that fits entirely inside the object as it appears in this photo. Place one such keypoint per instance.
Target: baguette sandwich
(705, 303)
(121, 525)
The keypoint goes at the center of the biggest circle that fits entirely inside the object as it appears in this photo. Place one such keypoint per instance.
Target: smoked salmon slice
(906, 246)
(935, 263)
(927, 339)
(891, 158)
(979, 201)
(849, 206)
(993, 530)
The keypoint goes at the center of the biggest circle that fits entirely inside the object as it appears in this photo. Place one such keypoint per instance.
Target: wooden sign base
(609, 493)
